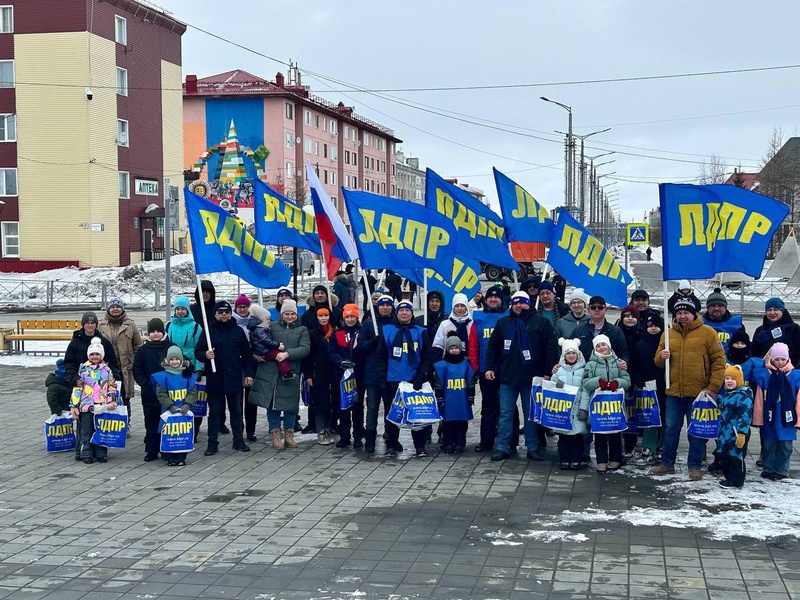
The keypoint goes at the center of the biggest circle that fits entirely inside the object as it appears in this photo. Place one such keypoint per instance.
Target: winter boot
(369, 446)
(277, 442)
(288, 435)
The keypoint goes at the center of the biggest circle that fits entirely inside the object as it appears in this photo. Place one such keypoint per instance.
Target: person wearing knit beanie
(629, 310)
(573, 345)
(778, 350)
(735, 373)
(775, 303)
(601, 339)
(115, 302)
(89, 317)
(96, 347)
(288, 306)
(155, 325)
(242, 300)
(716, 298)
(521, 298)
(350, 310)
(686, 305)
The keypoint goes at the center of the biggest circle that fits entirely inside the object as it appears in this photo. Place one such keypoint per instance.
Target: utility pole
(167, 243)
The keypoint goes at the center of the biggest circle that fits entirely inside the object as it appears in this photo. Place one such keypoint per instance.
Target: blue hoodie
(184, 332)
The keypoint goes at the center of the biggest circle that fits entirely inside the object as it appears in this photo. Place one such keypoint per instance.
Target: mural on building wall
(227, 183)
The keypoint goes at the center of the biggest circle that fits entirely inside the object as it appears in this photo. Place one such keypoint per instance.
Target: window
(160, 227)
(124, 184)
(122, 132)
(347, 157)
(288, 138)
(324, 176)
(6, 73)
(325, 150)
(334, 153)
(346, 132)
(355, 134)
(383, 188)
(122, 81)
(372, 185)
(382, 144)
(393, 172)
(347, 181)
(316, 148)
(419, 194)
(289, 111)
(366, 139)
(289, 170)
(8, 182)
(316, 121)
(7, 19)
(120, 30)
(334, 128)
(418, 180)
(333, 177)
(355, 159)
(308, 146)
(8, 128)
(11, 239)
(383, 166)
(308, 117)
(393, 190)
(324, 123)
(355, 182)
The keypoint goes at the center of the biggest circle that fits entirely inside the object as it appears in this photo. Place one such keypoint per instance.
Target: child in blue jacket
(454, 386)
(176, 392)
(735, 402)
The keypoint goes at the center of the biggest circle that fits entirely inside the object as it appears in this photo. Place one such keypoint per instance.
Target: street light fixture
(582, 167)
(568, 192)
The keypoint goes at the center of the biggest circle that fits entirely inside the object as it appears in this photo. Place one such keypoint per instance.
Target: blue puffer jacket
(736, 416)
(184, 332)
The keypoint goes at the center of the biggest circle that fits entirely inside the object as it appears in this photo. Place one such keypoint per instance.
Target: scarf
(779, 390)
(403, 335)
(118, 319)
(737, 356)
(516, 331)
(326, 331)
(462, 325)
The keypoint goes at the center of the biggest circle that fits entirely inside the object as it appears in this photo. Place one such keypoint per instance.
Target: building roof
(241, 83)
(151, 13)
(748, 179)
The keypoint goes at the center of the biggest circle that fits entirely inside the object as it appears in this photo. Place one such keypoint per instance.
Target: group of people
(271, 357)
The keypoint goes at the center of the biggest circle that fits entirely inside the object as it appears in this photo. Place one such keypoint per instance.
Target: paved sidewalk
(324, 523)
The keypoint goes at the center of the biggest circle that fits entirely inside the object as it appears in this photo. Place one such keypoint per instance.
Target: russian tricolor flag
(337, 247)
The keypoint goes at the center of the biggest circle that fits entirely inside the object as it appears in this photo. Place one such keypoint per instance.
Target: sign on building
(146, 187)
(638, 234)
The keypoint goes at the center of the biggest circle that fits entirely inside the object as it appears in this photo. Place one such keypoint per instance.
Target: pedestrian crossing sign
(638, 233)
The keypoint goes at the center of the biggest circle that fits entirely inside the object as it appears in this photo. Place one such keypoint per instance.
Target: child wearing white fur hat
(570, 371)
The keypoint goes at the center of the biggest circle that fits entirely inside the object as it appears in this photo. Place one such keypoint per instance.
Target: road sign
(638, 233)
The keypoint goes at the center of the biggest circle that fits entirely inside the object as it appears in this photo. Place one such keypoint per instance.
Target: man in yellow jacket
(697, 364)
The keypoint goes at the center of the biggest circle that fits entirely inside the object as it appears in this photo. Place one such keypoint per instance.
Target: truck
(527, 254)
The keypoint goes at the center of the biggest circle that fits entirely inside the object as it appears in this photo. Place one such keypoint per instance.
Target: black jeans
(570, 448)
(454, 433)
(216, 406)
(152, 428)
(377, 394)
(353, 418)
(608, 447)
(250, 414)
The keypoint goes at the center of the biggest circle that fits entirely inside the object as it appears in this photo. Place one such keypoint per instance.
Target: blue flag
(397, 234)
(460, 277)
(581, 259)
(281, 222)
(526, 220)
(481, 232)
(708, 229)
(221, 243)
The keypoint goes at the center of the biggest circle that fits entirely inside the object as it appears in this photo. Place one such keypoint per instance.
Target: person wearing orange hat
(343, 356)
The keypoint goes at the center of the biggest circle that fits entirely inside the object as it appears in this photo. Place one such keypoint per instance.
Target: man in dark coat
(641, 300)
(147, 361)
(436, 313)
(234, 363)
(209, 299)
(75, 354)
(777, 326)
(597, 325)
(368, 292)
(394, 283)
(720, 319)
(522, 347)
(319, 297)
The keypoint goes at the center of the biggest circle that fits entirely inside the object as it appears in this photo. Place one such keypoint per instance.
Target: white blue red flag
(337, 247)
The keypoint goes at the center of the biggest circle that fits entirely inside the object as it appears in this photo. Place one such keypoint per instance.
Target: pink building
(294, 126)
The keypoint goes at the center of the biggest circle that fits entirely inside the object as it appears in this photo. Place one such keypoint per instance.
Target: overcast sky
(415, 43)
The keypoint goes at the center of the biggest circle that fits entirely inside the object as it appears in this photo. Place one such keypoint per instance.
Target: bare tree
(778, 178)
(712, 171)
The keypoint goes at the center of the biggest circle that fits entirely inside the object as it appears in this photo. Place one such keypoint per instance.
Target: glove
(185, 409)
(740, 440)
(347, 364)
(417, 383)
(200, 374)
(471, 401)
(613, 385)
(582, 415)
(187, 372)
(174, 409)
(604, 384)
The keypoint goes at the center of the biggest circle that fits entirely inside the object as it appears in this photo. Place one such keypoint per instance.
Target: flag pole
(205, 322)
(666, 336)
(425, 295)
(370, 306)
(544, 274)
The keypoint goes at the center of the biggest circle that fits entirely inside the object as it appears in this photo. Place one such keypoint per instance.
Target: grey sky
(380, 45)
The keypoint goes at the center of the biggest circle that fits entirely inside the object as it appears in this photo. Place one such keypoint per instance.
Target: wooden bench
(38, 330)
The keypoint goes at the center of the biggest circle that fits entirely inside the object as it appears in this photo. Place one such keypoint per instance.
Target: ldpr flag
(526, 220)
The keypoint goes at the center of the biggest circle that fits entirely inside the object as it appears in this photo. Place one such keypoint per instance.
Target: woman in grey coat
(276, 394)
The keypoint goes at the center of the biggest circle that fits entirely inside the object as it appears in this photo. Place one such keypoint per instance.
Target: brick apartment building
(90, 125)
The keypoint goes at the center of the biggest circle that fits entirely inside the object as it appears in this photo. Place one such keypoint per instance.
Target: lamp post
(582, 168)
(569, 198)
(593, 183)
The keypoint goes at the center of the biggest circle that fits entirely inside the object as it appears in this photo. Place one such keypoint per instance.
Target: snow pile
(501, 538)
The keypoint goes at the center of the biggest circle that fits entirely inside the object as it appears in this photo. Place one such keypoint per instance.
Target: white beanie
(599, 339)
(460, 299)
(521, 297)
(259, 312)
(684, 285)
(96, 347)
(567, 345)
(576, 294)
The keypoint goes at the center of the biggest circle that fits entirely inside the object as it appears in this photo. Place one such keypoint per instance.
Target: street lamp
(582, 167)
(568, 193)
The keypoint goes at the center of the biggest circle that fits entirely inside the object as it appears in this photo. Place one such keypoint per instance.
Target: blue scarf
(404, 335)
(779, 389)
(518, 332)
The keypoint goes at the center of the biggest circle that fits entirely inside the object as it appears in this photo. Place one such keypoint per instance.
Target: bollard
(103, 295)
